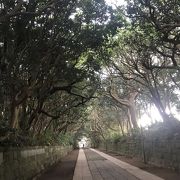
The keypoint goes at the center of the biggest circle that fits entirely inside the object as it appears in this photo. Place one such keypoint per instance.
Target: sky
(115, 2)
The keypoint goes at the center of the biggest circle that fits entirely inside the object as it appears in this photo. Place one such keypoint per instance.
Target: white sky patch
(115, 3)
(154, 116)
(26, 1)
(146, 120)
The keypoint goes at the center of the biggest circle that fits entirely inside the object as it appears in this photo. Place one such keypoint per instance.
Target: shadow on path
(63, 170)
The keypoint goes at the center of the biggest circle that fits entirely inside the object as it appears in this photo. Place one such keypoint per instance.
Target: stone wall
(28, 163)
(158, 148)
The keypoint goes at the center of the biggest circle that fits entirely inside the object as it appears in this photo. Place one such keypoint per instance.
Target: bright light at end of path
(83, 142)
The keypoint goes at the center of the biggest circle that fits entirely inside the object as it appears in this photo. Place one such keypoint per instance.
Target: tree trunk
(121, 127)
(161, 109)
(15, 110)
(34, 116)
(159, 105)
(129, 123)
(17, 104)
(129, 103)
(23, 121)
(133, 116)
(169, 120)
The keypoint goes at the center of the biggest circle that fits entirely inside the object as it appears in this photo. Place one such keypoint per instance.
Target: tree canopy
(63, 61)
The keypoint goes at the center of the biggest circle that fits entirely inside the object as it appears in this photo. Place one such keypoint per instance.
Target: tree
(137, 64)
(162, 18)
(47, 47)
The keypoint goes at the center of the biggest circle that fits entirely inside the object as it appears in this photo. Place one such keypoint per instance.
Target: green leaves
(50, 56)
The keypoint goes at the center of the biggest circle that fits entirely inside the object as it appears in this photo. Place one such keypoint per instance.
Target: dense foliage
(56, 56)
(143, 69)
(47, 67)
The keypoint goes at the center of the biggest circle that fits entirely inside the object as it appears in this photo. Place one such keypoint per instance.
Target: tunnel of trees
(68, 66)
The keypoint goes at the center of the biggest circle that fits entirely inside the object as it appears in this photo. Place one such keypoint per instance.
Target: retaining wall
(157, 148)
(28, 163)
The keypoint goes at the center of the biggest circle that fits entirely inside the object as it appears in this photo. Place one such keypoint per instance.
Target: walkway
(96, 165)
(63, 170)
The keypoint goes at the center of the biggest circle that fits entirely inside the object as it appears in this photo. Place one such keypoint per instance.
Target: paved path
(95, 165)
(63, 170)
(82, 171)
